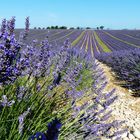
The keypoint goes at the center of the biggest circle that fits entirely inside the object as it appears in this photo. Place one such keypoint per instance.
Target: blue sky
(115, 14)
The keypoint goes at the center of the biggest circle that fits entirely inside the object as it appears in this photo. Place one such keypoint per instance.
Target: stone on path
(126, 108)
(136, 133)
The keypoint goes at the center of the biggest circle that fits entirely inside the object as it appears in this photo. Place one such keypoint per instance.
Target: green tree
(101, 27)
(88, 28)
(71, 27)
(48, 27)
(63, 27)
(52, 27)
(56, 27)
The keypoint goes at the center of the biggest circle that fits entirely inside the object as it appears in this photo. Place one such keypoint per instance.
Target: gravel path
(126, 107)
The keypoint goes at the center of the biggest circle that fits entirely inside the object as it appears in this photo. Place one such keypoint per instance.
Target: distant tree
(52, 27)
(78, 28)
(39, 28)
(43, 28)
(88, 28)
(63, 27)
(71, 27)
(48, 27)
(97, 28)
(35, 28)
(101, 27)
(56, 27)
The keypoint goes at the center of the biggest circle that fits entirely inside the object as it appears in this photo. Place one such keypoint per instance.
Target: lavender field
(101, 41)
(54, 82)
(119, 49)
(70, 70)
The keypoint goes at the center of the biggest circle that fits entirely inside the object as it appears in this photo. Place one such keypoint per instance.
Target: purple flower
(53, 129)
(21, 119)
(38, 136)
(27, 24)
(4, 101)
(11, 63)
(57, 78)
(3, 27)
(52, 132)
(11, 26)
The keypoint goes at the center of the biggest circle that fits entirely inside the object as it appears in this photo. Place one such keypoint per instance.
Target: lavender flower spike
(3, 27)
(11, 26)
(4, 102)
(27, 24)
(21, 120)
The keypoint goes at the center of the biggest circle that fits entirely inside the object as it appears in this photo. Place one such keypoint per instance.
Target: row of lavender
(55, 37)
(88, 44)
(49, 95)
(113, 43)
(124, 61)
(126, 65)
(105, 41)
(131, 37)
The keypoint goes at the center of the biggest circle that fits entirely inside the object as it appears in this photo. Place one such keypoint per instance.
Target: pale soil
(126, 107)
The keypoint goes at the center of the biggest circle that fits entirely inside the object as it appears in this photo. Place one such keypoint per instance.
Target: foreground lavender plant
(51, 133)
(10, 58)
(92, 117)
(11, 63)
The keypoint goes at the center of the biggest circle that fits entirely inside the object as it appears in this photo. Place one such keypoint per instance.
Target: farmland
(100, 44)
(92, 42)
(63, 83)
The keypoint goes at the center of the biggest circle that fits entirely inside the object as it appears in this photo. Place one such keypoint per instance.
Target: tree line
(65, 27)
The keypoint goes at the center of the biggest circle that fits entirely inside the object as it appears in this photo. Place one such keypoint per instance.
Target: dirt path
(126, 107)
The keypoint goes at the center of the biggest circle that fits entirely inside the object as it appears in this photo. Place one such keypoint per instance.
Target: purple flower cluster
(9, 58)
(11, 26)
(37, 58)
(11, 62)
(4, 101)
(27, 24)
(3, 27)
(52, 132)
(72, 78)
